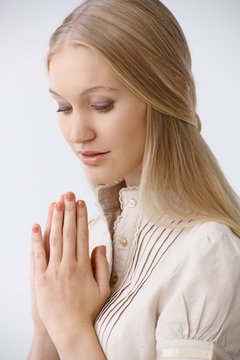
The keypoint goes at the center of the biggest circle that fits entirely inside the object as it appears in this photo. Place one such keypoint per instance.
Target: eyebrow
(90, 90)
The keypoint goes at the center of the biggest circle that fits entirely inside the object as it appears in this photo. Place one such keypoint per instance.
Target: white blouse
(175, 292)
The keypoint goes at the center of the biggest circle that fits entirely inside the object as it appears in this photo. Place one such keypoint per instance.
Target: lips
(91, 153)
(92, 158)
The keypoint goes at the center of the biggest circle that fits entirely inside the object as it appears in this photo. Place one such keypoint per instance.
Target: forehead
(79, 66)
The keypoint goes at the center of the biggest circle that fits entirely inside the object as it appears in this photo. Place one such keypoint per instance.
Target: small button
(114, 279)
(123, 242)
(132, 203)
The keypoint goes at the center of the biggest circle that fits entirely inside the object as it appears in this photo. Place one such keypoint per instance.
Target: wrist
(66, 337)
(42, 347)
(77, 342)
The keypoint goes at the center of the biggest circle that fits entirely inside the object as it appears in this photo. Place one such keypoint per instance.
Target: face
(101, 119)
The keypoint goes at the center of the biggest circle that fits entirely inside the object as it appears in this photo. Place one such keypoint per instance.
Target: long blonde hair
(143, 44)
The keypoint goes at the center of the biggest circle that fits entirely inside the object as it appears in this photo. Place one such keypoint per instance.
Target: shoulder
(204, 247)
(212, 248)
(209, 238)
(212, 229)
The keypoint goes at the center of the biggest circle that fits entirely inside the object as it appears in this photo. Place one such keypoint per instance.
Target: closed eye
(102, 107)
(96, 107)
(64, 108)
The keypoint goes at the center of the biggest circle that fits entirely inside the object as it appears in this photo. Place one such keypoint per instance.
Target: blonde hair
(143, 44)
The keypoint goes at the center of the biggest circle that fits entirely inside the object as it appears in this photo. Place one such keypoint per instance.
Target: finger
(82, 231)
(48, 229)
(100, 269)
(55, 239)
(69, 227)
(40, 261)
(48, 224)
(32, 265)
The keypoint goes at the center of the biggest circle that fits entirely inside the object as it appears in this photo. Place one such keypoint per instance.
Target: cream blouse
(175, 292)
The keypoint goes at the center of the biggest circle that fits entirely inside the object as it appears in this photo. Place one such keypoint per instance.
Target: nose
(81, 130)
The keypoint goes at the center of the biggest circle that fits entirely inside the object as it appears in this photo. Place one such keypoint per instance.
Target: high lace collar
(114, 197)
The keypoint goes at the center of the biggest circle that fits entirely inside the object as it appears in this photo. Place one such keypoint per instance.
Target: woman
(168, 231)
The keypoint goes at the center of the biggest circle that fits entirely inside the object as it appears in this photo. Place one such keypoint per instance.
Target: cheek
(130, 125)
(134, 129)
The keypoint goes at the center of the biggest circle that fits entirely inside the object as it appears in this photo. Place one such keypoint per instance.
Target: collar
(117, 196)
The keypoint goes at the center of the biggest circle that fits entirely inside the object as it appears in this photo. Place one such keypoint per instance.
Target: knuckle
(83, 233)
(41, 280)
(55, 241)
(70, 207)
(69, 233)
(55, 272)
(57, 217)
(69, 271)
(37, 251)
(38, 254)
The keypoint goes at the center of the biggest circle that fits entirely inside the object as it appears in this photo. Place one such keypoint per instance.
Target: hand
(39, 327)
(42, 345)
(69, 293)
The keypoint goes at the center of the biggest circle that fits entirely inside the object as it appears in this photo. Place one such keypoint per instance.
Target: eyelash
(100, 108)
(63, 109)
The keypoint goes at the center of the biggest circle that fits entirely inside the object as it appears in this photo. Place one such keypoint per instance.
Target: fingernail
(60, 206)
(35, 229)
(70, 196)
(80, 204)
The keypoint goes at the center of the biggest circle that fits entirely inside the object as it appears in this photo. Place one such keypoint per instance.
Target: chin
(103, 179)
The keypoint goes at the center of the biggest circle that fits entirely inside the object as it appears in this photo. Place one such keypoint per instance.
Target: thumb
(101, 269)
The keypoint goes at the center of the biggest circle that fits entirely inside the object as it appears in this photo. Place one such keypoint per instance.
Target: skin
(120, 128)
(68, 288)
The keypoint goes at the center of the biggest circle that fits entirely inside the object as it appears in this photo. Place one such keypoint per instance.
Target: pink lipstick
(92, 158)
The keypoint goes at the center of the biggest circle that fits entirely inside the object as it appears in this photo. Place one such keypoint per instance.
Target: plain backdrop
(37, 165)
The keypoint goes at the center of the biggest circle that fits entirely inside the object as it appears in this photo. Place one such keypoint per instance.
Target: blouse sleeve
(200, 319)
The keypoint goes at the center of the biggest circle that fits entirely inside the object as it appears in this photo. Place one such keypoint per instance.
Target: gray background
(36, 165)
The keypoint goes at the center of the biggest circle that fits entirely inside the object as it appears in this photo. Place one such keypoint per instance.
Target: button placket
(132, 203)
(123, 242)
(123, 236)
